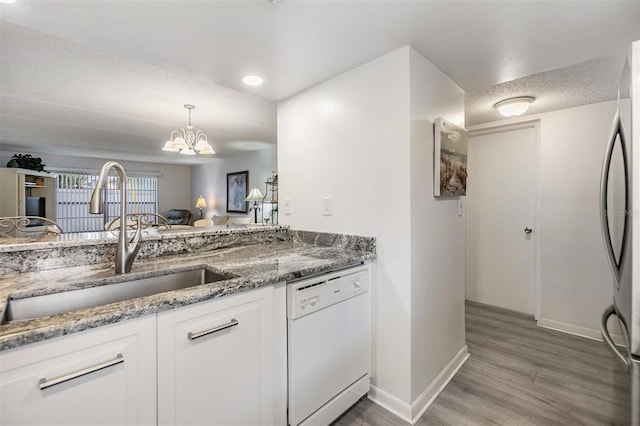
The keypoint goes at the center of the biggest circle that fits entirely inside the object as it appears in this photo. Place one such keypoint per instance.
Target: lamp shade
(180, 143)
(254, 195)
(201, 203)
(170, 146)
(206, 149)
(188, 151)
(201, 144)
(514, 107)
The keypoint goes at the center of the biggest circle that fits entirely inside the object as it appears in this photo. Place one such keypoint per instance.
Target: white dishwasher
(329, 344)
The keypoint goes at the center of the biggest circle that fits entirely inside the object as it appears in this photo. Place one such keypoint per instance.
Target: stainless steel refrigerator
(620, 210)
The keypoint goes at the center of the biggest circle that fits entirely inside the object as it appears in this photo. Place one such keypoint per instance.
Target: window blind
(74, 192)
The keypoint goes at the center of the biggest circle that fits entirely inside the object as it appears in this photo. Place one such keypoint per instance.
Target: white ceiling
(153, 56)
(61, 97)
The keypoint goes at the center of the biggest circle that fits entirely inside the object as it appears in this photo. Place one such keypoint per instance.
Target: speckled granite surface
(254, 265)
(350, 242)
(46, 252)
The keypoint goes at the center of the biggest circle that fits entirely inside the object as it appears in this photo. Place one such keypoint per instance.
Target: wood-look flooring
(519, 374)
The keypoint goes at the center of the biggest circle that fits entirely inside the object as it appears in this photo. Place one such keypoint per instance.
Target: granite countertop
(94, 238)
(254, 265)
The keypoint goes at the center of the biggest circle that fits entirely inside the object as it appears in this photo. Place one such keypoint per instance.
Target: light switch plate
(327, 206)
(287, 207)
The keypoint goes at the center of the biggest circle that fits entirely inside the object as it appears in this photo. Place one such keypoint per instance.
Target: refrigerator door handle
(616, 131)
(606, 336)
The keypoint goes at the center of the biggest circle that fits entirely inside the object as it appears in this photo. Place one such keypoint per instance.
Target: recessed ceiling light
(7, 1)
(514, 107)
(252, 80)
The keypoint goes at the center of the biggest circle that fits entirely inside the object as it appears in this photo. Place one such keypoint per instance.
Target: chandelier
(186, 142)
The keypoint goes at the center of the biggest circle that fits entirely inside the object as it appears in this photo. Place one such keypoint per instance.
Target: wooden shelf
(35, 173)
(18, 184)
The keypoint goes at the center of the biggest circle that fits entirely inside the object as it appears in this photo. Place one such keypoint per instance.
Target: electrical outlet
(327, 206)
(287, 207)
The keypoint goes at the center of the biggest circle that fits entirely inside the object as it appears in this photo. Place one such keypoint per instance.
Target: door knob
(528, 230)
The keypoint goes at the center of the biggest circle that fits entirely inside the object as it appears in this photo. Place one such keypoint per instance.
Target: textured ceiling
(581, 84)
(296, 44)
(59, 96)
(109, 79)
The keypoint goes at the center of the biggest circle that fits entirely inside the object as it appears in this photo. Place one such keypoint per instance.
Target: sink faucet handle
(133, 245)
(138, 232)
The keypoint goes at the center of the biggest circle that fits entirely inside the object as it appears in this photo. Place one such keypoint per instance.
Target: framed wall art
(449, 159)
(237, 189)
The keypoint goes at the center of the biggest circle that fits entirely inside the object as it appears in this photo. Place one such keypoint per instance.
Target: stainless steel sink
(68, 301)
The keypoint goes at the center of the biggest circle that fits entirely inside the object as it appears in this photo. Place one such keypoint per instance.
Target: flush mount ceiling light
(514, 107)
(187, 142)
(252, 80)
(7, 1)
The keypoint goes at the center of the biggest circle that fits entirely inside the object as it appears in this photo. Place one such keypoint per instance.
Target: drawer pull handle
(44, 383)
(232, 323)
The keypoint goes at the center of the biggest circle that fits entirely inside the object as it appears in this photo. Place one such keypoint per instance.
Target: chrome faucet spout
(127, 249)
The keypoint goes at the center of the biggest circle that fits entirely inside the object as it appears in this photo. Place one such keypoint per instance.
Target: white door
(500, 218)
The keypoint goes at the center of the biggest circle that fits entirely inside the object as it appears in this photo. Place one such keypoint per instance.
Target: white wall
(210, 180)
(576, 280)
(174, 183)
(364, 139)
(348, 139)
(437, 233)
(574, 274)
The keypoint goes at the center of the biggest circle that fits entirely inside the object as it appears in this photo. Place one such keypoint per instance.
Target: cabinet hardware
(44, 383)
(232, 323)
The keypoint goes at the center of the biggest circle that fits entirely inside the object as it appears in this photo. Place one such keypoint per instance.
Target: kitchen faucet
(127, 249)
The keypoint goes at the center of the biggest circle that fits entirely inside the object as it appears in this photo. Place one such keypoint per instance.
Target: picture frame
(237, 189)
(449, 159)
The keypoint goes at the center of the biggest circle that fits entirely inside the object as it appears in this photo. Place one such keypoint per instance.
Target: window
(74, 192)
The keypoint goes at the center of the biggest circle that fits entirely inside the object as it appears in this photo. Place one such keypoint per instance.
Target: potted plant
(26, 161)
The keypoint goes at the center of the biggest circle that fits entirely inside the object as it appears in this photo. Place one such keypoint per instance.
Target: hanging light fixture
(186, 142)
(514, 107)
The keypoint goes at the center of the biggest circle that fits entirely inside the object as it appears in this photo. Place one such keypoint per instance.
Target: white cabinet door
(215, 362)
(33, 390)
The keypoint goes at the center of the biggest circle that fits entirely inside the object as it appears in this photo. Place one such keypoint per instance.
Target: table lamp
(201, 204)
(255, 195)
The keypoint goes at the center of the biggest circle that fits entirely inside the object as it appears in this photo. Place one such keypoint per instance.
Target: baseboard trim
(431, 392)
(576, 330)
(390, 403)
(411, 413)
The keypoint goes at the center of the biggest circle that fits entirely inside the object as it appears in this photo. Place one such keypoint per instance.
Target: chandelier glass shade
(186, 141)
